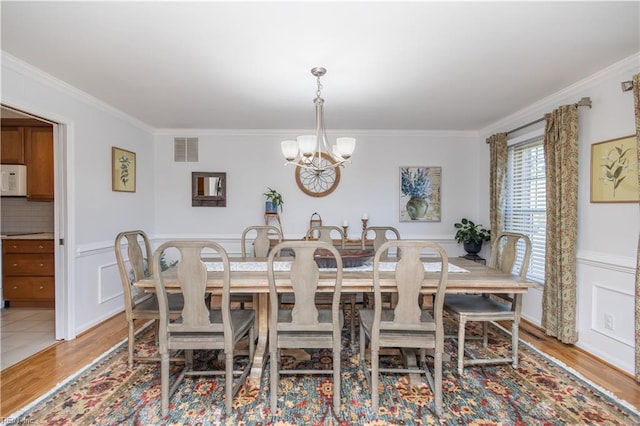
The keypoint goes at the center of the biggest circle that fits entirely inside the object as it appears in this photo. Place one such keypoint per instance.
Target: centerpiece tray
(351, 258)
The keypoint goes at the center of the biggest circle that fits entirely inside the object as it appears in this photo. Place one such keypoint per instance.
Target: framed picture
(208, 189)
(614, 171)
(419, 190)
(123, 170)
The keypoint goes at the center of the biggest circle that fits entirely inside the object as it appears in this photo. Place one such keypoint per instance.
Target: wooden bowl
(350, 258)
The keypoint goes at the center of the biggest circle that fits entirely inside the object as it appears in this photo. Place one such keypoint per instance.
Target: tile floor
(24, 332)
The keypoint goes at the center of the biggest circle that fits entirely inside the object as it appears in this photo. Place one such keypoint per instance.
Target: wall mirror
(208, 189)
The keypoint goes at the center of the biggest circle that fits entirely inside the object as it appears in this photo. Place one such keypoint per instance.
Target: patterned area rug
(540, 392)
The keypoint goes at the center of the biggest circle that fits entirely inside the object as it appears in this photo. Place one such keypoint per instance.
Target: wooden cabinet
(28, 273)
(12, 146)
(39, 160)
(30, 142)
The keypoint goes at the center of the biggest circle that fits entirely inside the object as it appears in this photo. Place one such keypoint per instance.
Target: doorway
(29, 329)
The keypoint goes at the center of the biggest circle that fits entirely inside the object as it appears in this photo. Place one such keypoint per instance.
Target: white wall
(253, 162)
(607, 233)
(95, 213)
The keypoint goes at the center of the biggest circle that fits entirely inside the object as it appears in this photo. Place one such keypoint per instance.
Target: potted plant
(471, 235)
(274, 201)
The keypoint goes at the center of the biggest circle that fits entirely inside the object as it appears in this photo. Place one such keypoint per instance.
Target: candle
(345, 223)
(364, 216)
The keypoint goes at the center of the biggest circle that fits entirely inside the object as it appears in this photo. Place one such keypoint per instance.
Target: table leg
(260, 355)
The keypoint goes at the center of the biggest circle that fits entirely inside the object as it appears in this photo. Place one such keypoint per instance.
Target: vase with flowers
(415, 183)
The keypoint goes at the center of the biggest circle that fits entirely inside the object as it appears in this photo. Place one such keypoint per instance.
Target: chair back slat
(381, 235)
(509, 247)
(137, 265)
(326, 233)
(191, 277)
(262, 240)
(409, 277)
(304, 278)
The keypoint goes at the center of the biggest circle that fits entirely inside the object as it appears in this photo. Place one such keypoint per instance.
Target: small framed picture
(123, 170)
(614, 171)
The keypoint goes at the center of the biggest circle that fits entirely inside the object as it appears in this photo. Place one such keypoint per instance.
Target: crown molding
(23, 68)
(629, 64)
(334, 132)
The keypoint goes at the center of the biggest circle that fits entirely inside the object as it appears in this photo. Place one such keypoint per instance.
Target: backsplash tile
(19, 215)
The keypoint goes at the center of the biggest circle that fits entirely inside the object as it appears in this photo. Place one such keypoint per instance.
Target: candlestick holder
(364, 223)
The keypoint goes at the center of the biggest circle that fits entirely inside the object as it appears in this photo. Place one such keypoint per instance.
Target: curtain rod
(582, 102)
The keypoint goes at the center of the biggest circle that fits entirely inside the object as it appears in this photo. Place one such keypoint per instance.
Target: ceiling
(390, 65)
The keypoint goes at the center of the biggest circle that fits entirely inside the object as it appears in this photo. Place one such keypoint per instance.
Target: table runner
(281, 266)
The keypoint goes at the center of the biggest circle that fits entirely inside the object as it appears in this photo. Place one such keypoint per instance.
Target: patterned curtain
(497, 179)
(636, 98)
(559, 303)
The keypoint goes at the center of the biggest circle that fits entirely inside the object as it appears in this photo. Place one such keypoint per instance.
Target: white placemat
(285, 266)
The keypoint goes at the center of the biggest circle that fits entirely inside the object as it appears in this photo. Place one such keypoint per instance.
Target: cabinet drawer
(28, 288)
(28, 264)
(27, 246)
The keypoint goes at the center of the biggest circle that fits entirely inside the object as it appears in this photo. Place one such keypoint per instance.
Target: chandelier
(308, 151)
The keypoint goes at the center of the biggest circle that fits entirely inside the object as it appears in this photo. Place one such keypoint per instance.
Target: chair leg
(164, 382)
(362, 346)
(252, 341)
(462, 321)
(352, 299)
(228, 364)
(131, 342)
(485, 333)
(274, 360)
(336, 380)
(375, 397)
(514, 343)
(437, 388)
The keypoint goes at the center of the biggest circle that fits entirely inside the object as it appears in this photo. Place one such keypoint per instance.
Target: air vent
(185, 150)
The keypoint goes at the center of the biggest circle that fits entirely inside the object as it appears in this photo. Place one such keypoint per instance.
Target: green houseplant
(274, 201)
(471, 235)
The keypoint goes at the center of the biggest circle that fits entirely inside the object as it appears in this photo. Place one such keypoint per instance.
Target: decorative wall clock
(321, 182)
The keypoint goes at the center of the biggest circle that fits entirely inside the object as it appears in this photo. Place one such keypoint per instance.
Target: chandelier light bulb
(289, 150)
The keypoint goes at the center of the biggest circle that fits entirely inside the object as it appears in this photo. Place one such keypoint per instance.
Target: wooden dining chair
(199, 327)
(407, 325)
(327, 233)
(133, 256)
(307, 324)
(508, 249)
(381, 234)
(262, 240)
(262, 236)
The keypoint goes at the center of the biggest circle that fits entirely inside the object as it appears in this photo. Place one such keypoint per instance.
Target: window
(526, 200)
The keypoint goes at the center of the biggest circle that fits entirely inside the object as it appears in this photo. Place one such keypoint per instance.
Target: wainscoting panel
(608, 303)
(606, 307)
(109, 283)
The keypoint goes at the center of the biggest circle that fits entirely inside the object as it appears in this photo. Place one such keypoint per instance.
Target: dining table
(249, 276)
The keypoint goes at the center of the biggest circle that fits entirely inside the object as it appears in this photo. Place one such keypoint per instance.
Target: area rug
(540, 392)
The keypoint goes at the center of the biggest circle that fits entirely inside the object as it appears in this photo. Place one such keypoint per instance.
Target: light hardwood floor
(24, 382)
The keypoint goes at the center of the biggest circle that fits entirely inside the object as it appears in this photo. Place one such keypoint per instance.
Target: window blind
(526, 201)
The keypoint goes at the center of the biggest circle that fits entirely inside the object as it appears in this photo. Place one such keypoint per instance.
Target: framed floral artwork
(419, 199)
(123, 170)
(614, 171)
